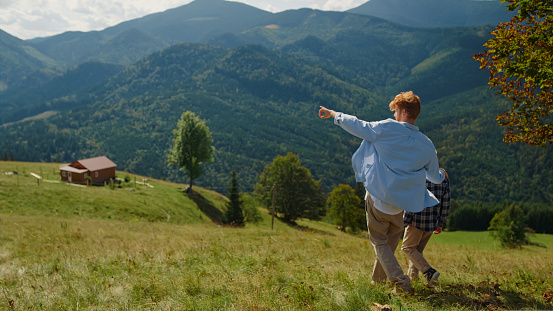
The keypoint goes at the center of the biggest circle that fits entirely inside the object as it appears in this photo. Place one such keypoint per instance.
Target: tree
(520, 61)
(344, 207)
(192, 146)
(297, 194)
(251, 212)
(361, 192)
(234, 214)
(508, 227)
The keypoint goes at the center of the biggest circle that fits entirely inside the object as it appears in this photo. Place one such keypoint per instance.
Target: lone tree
(234, 214)
(520, 61)
(192, 146)
(249, 206)
(508, 227)
(297, 194)
(344, 207)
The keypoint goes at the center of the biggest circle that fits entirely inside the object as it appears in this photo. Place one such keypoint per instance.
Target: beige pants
(384, 232)
(414, 242)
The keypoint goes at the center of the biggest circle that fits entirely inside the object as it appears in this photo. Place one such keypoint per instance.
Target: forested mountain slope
(260, 103)
(437, 13)
(19, 60)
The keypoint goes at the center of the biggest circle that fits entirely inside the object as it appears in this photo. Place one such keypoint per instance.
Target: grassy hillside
(155, 201)
(68, 247)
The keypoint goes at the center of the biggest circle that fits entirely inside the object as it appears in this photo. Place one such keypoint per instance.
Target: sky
(27, 19)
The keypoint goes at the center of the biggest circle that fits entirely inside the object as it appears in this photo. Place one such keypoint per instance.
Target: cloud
(340, 5)
(282, 5)
(37, 18)
(6, 3)
(277, 5)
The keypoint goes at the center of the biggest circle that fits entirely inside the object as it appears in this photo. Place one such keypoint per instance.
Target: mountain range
(437, 13)
(257, 79)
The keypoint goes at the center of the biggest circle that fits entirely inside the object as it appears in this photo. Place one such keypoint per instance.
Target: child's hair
(409, 102)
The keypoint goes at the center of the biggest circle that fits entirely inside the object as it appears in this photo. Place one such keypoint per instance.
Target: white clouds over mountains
(27, 19)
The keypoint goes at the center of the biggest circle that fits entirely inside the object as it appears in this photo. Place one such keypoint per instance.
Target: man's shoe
(431, 276)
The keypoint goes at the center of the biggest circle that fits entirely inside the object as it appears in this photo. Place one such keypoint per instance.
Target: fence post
(273, 213)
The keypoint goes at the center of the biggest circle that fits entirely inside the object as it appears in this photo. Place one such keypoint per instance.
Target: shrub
(508, 227)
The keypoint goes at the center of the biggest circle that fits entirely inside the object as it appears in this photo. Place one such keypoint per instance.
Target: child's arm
(444, 204)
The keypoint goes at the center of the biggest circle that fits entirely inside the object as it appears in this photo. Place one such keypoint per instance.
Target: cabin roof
(98, 163)
(92, 164)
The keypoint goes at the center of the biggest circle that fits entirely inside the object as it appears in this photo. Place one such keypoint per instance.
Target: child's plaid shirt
(433, 217)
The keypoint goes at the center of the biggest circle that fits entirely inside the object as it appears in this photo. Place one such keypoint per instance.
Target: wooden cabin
(99, 169)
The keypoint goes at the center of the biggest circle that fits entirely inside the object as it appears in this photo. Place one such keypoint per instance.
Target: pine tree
(234, 214)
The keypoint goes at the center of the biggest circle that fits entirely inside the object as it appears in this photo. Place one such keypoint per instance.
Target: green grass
(54, 257)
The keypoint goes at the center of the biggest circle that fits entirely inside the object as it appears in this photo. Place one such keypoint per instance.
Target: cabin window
(95, 174)
(63, 174)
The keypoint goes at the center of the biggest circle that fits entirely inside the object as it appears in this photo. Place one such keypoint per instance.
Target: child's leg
(414, 242)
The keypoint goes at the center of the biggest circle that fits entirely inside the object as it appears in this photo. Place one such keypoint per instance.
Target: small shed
(98, 169)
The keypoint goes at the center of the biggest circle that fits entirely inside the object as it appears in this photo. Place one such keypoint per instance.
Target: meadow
(153, 247)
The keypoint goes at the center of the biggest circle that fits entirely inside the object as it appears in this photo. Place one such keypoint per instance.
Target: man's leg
(384, 232)
(379, 275)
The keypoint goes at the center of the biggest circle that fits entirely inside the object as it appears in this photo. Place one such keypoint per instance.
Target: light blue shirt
(394, 161)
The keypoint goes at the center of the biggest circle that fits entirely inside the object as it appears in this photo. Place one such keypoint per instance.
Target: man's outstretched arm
(325, 113)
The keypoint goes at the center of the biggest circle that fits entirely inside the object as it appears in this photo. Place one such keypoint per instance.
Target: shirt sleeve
(433, 172)
(362, 129)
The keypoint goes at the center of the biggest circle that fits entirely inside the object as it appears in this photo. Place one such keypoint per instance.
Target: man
(419, 228)
(393, 162)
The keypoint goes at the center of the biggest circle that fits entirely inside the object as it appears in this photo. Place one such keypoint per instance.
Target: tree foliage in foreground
(520, 61)
(297, 193)
(192, 146)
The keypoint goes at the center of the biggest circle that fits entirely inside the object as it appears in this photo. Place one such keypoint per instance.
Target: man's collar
(409, 126)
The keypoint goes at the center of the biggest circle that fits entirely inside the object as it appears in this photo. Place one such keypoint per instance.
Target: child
(419, 228)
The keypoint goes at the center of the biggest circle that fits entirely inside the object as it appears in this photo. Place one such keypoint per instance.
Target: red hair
(409, 102)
